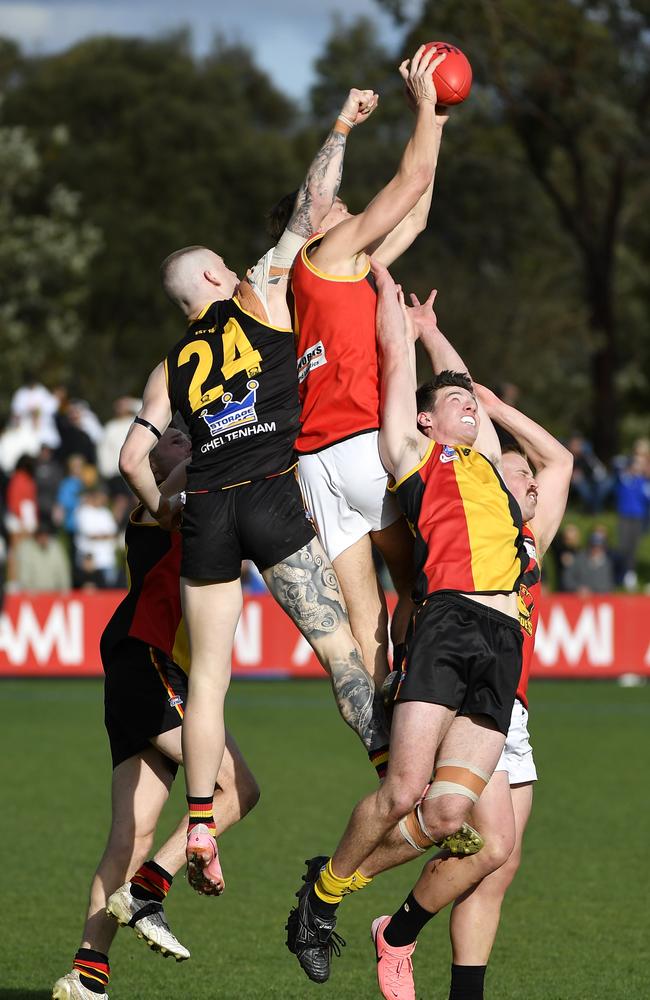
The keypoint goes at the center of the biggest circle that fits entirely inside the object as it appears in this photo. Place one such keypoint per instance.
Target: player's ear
(424, 420)
(211, 277)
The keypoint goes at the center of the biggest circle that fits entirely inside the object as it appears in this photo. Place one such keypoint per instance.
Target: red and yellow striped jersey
(467, 525)
(151, 611)
(338, 372)
(530, 586)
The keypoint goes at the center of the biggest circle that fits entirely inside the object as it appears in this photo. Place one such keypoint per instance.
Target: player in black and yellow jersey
(233, 378)
(145, 658)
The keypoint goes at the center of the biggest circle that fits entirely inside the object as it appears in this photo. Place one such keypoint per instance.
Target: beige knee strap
(414, 831)
(457, 777)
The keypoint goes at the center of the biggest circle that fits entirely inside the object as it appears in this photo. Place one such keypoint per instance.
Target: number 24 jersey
(233, 379)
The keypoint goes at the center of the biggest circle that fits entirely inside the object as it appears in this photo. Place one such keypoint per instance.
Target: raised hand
(359, 105)
(417, 74)
(422, 315)
(488, 399)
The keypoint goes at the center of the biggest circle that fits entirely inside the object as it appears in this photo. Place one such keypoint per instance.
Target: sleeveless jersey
(530, 586)
(233, 379)
(337, 353)
(151, 611)
(467, 525)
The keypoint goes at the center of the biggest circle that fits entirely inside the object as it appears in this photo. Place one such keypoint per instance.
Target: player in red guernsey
(341, 475)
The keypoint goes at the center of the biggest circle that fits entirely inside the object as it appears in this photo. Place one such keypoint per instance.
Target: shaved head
(195, 276)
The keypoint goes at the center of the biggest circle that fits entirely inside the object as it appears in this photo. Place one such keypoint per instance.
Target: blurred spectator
(96, 536)
(69, 495)
(33, 406)
(48, 475)
(592, 569)
(108, 449)
(22, 506)
(590, 482)
(16, 439)
(21, 515)
(75, 440)
(566, 547)
(42, 562)
(88, 577)
(632, 507)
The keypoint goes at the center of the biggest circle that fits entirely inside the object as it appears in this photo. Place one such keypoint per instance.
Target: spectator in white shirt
(97, 535)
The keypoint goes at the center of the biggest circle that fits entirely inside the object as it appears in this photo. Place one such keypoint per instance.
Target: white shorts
(345, 492)
(517, 755)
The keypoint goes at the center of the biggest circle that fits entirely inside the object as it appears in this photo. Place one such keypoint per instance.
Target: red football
(453, 77)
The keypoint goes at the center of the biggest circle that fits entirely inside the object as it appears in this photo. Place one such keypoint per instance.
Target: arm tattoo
(322, 182)
(306, 587)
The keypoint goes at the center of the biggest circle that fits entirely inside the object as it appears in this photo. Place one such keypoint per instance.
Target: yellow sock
(329, 887)
(359, 881)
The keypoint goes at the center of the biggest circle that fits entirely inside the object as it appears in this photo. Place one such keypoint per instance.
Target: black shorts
(144, 696)
(264, 521)
(464, 655)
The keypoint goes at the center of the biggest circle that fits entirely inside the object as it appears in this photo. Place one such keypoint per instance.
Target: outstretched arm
(134, 456)
(341, 245)
(406, 231)
(445, 357)
(552, 461)
(400, 445)
(323, 179)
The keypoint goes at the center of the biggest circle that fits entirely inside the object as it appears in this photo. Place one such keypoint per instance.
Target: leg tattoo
(359, 704)
(306, 586)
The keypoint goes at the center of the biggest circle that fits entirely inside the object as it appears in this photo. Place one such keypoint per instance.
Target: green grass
(574, 925)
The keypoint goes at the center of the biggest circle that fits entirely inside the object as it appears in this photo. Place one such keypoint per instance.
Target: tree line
(118, 151)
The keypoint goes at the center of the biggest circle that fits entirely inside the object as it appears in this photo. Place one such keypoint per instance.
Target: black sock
(319, 905)
(406, 924)
(467, 982)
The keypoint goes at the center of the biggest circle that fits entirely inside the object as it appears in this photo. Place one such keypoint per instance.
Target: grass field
(575, 924)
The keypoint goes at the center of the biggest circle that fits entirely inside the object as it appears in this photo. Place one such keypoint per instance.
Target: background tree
(566, 84)
(167, 151)
(46, 252)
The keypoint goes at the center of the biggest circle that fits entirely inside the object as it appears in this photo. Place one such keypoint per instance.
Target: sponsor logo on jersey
(173, 702)
(313, 358)
(268, 427)
(234, 413)
(448, 454)
(525, 606)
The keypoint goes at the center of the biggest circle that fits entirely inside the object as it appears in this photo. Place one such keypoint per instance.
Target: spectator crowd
(64, 506)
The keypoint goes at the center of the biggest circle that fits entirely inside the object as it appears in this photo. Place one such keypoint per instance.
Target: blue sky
(286, 35)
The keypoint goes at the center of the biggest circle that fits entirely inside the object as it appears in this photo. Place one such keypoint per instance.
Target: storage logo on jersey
(234, 414)
(313, 358)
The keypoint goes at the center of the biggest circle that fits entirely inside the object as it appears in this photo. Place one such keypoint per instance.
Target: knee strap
(414, 831)
(457, 777)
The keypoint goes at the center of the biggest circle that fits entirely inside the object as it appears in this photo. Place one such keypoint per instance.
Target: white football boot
(147, 918)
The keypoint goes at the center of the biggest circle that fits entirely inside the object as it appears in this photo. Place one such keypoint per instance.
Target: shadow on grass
(19, 994)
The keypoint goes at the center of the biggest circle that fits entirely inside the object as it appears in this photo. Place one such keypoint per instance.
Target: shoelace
(335, 943)
(395, 973)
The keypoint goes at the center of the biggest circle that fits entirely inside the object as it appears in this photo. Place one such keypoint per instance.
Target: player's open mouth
(468, 420)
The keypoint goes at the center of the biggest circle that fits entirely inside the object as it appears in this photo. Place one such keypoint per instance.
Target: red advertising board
(58, 635)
